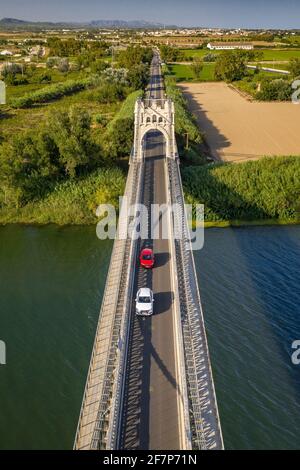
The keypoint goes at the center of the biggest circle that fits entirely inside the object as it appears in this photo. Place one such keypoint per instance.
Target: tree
(171, 54)
(231, 66)
(109, 93)
(30, 161)
(210, 57)
(63, 65)
(71, 136)
(113, 75)
(99, 66)
(11, 69)
(138, 76)
(135, 55)
(197, 66)
(275, 90)
(27, 166)
(119, 142)
(294, 67)
(51, 62)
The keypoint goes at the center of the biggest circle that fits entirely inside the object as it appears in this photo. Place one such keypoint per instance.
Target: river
(51, 284)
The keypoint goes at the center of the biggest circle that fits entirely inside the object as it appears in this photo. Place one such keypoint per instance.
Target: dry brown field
(237, 129)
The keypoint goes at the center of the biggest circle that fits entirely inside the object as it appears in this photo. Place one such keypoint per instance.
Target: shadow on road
(162, 302)
(161, 259)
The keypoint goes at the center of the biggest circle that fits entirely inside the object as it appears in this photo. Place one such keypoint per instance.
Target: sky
(209, 13)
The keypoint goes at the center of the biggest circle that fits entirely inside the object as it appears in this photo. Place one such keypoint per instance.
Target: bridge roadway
(150, 418)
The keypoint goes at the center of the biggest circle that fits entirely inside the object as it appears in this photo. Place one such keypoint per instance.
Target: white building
(225, 46)
(5, 52)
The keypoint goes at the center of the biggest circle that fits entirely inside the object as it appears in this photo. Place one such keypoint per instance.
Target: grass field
(56, 77)
(279, 54)
(268, 54)
(184, 73)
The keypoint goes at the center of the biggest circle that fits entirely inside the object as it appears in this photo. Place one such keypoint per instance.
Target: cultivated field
(239, 130)
(184, 72)
(268, 54)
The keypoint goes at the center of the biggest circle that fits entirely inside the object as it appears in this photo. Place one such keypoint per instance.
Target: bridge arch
(156, 115)
(149, 139)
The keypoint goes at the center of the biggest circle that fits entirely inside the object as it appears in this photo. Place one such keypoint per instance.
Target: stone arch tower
(154, 115)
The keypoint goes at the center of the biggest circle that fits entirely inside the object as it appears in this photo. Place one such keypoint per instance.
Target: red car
(147, 258)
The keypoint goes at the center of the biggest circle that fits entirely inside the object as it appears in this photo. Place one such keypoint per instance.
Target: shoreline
(250, 223)
(207, 224)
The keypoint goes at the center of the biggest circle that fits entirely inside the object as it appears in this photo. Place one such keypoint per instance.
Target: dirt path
(239, 130)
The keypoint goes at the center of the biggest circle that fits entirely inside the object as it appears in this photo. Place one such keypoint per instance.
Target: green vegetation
(188, 136)
(118, 137)
(274, 90)
(251, 191)
(266, 86)
(294, 67)
(280, 54)
(232, 65)
(52, 92)
(171, 54)
(72, 202)
(135, 55)
(266, 54)
(58, 142)
(254, 80)
(30, 162)
(184, 73)
(197, 67)
(86, 53)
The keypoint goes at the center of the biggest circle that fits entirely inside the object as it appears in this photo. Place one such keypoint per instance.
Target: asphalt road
(150, 414)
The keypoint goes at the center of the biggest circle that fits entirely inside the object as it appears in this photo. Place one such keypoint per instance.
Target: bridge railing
(183, 399)
(96, 427)
(204, 416)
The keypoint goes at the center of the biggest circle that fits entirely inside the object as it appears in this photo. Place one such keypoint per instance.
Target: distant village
(31, 47)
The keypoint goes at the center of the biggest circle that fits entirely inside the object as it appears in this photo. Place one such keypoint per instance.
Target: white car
(144, 302)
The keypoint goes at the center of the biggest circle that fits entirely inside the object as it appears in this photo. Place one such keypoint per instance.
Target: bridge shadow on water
(276, 296)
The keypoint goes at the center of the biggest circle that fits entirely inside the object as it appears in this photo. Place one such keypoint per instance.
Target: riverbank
(71, 202)
(264, 192)
(250, 223)
(29, 222)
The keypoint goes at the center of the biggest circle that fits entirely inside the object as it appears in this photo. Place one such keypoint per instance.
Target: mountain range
(16, 24)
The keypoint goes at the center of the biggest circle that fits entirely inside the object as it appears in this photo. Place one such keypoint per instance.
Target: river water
(51, 285)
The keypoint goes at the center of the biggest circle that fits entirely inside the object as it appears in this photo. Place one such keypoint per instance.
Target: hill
(14, 23)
